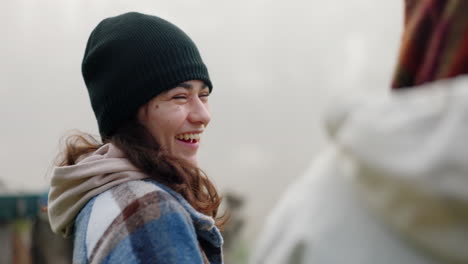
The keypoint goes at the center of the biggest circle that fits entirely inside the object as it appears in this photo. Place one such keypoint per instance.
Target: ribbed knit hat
(131, 58)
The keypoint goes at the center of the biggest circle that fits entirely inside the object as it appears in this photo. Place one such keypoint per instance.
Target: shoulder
(119, 214)
(133, 197)
(323, 211)
(317, 183)
(309, 214)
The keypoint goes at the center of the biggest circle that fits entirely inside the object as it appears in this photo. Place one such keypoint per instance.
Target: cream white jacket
(392, 187)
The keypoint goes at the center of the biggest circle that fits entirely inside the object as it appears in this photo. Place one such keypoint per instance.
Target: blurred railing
(25, 234)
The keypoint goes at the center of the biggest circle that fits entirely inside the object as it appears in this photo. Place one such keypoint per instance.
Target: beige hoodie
(73, 186)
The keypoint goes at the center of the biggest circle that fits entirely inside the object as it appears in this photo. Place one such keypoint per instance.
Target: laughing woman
(137, 195)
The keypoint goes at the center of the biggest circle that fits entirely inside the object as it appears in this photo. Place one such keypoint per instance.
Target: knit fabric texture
(131, 58)
(434, 44)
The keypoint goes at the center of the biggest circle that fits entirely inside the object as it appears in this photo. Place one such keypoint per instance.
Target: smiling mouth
(189, 137)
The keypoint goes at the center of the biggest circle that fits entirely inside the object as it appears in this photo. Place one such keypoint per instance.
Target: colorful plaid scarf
(435, 42)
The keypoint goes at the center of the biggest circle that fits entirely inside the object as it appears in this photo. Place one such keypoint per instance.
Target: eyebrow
(190, 86)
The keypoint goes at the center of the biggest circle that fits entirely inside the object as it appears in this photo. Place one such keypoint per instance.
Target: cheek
(165, 123)
(168, 126)
(165, 128)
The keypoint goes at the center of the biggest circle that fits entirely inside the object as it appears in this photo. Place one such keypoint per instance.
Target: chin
(194, 162)
(191, 160)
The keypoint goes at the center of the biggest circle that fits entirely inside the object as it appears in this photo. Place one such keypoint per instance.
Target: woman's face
(177, 118)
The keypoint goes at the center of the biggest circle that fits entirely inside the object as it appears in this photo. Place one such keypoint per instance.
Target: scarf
(434, 44)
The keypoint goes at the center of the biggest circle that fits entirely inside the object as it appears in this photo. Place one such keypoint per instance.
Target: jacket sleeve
(150, 231)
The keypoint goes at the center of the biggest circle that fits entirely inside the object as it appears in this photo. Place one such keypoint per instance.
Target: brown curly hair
(151, 158)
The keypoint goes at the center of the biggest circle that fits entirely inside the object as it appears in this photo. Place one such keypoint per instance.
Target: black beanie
(131, 58)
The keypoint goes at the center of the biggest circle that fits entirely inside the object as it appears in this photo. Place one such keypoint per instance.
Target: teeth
(191, 137)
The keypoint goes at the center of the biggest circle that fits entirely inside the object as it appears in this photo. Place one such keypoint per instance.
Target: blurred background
(275, 66)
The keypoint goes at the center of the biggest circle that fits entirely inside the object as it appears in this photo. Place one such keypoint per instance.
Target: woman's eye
(179, 97)
(204, 95)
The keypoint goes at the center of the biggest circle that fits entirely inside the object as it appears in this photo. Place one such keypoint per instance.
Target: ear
(142, 114)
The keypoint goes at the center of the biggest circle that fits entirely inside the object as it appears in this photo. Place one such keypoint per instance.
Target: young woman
(138, 196)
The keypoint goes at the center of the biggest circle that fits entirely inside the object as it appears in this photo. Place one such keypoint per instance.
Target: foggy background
(275, 66)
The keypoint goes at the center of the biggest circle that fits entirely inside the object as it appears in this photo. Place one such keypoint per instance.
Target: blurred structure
(16, 218)
(48, 247)
(234, 251)
(234, 204)
(25, 234)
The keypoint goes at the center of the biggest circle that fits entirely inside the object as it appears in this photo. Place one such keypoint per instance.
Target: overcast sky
(275, 66)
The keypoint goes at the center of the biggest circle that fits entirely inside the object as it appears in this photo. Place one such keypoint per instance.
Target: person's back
(393, 185)
(391, 188)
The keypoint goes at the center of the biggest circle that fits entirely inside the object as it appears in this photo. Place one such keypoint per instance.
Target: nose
(199, 112)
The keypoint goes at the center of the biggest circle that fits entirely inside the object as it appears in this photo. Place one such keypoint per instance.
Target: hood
(411, 161)
(73, 186)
